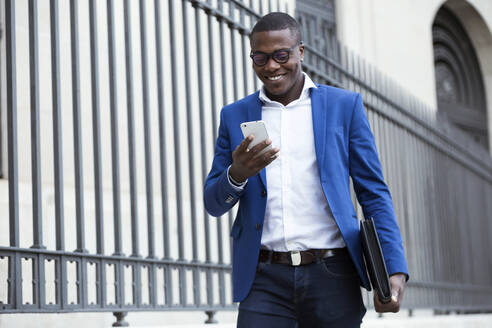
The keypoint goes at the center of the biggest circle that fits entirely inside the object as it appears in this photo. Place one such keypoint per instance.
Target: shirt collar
(308, 84)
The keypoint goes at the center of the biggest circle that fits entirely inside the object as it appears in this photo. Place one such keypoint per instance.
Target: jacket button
(263, 193)
(258, 226)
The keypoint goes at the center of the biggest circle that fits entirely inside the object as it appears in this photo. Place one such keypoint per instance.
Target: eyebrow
(255, 52)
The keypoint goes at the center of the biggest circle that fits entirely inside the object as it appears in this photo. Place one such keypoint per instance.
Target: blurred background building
(108, 118)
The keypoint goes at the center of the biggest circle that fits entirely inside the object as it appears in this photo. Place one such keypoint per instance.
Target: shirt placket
(286, 185)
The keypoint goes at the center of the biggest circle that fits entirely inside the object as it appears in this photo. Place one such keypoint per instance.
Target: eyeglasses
(281, 56)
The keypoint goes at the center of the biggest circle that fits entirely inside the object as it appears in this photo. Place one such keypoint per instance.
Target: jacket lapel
(254, 114)
(319, 125)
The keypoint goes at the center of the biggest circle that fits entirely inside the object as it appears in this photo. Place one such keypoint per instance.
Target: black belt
(296, 258)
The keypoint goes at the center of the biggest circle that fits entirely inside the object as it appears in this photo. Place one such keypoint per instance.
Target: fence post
(211, 318)
(120, 319)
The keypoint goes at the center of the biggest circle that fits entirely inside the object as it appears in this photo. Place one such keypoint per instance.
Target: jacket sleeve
(219, 195)
(371, 190)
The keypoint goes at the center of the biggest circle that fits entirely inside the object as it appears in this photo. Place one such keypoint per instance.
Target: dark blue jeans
(324, 294)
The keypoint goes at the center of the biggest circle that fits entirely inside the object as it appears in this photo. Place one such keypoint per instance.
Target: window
(459, 81)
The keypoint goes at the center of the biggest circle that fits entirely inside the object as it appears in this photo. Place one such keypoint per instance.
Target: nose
(271, 65)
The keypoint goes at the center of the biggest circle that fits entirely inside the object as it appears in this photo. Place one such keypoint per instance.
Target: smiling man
(297, 259)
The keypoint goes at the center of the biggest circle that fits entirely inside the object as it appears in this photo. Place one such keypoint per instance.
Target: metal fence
(120, 119)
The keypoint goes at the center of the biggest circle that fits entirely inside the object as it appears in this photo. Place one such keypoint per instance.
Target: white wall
(396, 36)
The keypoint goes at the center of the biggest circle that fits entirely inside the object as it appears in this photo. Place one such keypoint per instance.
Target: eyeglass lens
(280, 56)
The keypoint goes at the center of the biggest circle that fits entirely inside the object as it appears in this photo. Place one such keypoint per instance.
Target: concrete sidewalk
(420, 319)
(190, 319)
(450, 321)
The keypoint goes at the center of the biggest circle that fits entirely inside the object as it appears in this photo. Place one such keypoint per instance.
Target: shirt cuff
(237, 186)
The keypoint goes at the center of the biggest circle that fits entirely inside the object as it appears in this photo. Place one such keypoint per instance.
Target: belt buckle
(295, 257)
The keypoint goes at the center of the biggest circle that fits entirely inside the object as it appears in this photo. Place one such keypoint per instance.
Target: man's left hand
(397, 282)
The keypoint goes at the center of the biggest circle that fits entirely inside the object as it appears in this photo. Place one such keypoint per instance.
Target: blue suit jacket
(344, 147)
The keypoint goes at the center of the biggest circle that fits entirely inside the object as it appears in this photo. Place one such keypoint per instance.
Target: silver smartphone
(259, 131)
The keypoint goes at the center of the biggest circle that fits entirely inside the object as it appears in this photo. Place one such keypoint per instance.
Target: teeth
(273, 78)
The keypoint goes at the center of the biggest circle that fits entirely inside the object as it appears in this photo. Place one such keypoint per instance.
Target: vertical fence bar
(77, 145)
(96, 134)
(177, 158)
(131, 128)
(12, 123)
(96, 139)
(113, 104)
(191, 149)
(162, 128)
(57, 140)
(252, 21)
(203, 147)
(162, 149)
(38, 262)
(14, 261)
(41, 285)
(147, 128)
(220, 242)
(35, 143)
(57, 150)
(236, 97)
(344, 64)
(244, 52)
(148, 147)
(213, 102)
(2, 160)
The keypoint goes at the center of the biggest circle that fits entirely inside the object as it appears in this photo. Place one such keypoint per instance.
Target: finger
(243, 146)
(259, 147)
(268, 158)
(396, 293)
(272, 152)
(264, 160)
(270, 155)
(394, 297)
(401, 291)
(394, 304)
(236, 150)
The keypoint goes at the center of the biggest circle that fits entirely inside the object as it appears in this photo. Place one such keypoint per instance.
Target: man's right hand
(244, 162)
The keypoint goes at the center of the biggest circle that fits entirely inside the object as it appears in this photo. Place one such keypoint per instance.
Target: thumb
(394, 296)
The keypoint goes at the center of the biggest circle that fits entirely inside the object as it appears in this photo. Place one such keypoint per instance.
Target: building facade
(400, 38)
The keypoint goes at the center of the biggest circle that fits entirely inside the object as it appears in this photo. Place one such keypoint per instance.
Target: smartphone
(259, 131)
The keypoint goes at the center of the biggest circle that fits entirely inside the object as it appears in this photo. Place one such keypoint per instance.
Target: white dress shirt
(297, 215)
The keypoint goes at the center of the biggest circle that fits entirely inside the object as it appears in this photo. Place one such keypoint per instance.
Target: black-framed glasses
(281, 56)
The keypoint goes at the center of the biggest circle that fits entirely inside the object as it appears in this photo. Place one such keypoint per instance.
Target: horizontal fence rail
(112, 115)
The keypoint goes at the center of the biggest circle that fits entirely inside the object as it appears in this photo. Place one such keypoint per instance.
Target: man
(294, 200)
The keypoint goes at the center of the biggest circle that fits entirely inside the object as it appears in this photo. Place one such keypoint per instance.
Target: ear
(301, 51)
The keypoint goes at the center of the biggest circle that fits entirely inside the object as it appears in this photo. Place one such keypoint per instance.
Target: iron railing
(155, 75)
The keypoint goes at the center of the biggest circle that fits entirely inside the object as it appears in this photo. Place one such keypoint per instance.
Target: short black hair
(277, 21)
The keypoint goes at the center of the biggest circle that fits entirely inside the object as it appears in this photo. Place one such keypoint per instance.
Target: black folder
(373, 256)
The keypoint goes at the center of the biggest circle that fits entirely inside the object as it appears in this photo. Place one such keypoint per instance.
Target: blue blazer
(344, 147)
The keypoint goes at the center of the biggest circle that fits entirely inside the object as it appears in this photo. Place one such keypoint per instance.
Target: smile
(274, 78)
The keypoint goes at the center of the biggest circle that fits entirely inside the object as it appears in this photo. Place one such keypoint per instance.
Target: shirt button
(258, 226)
(263, 193)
